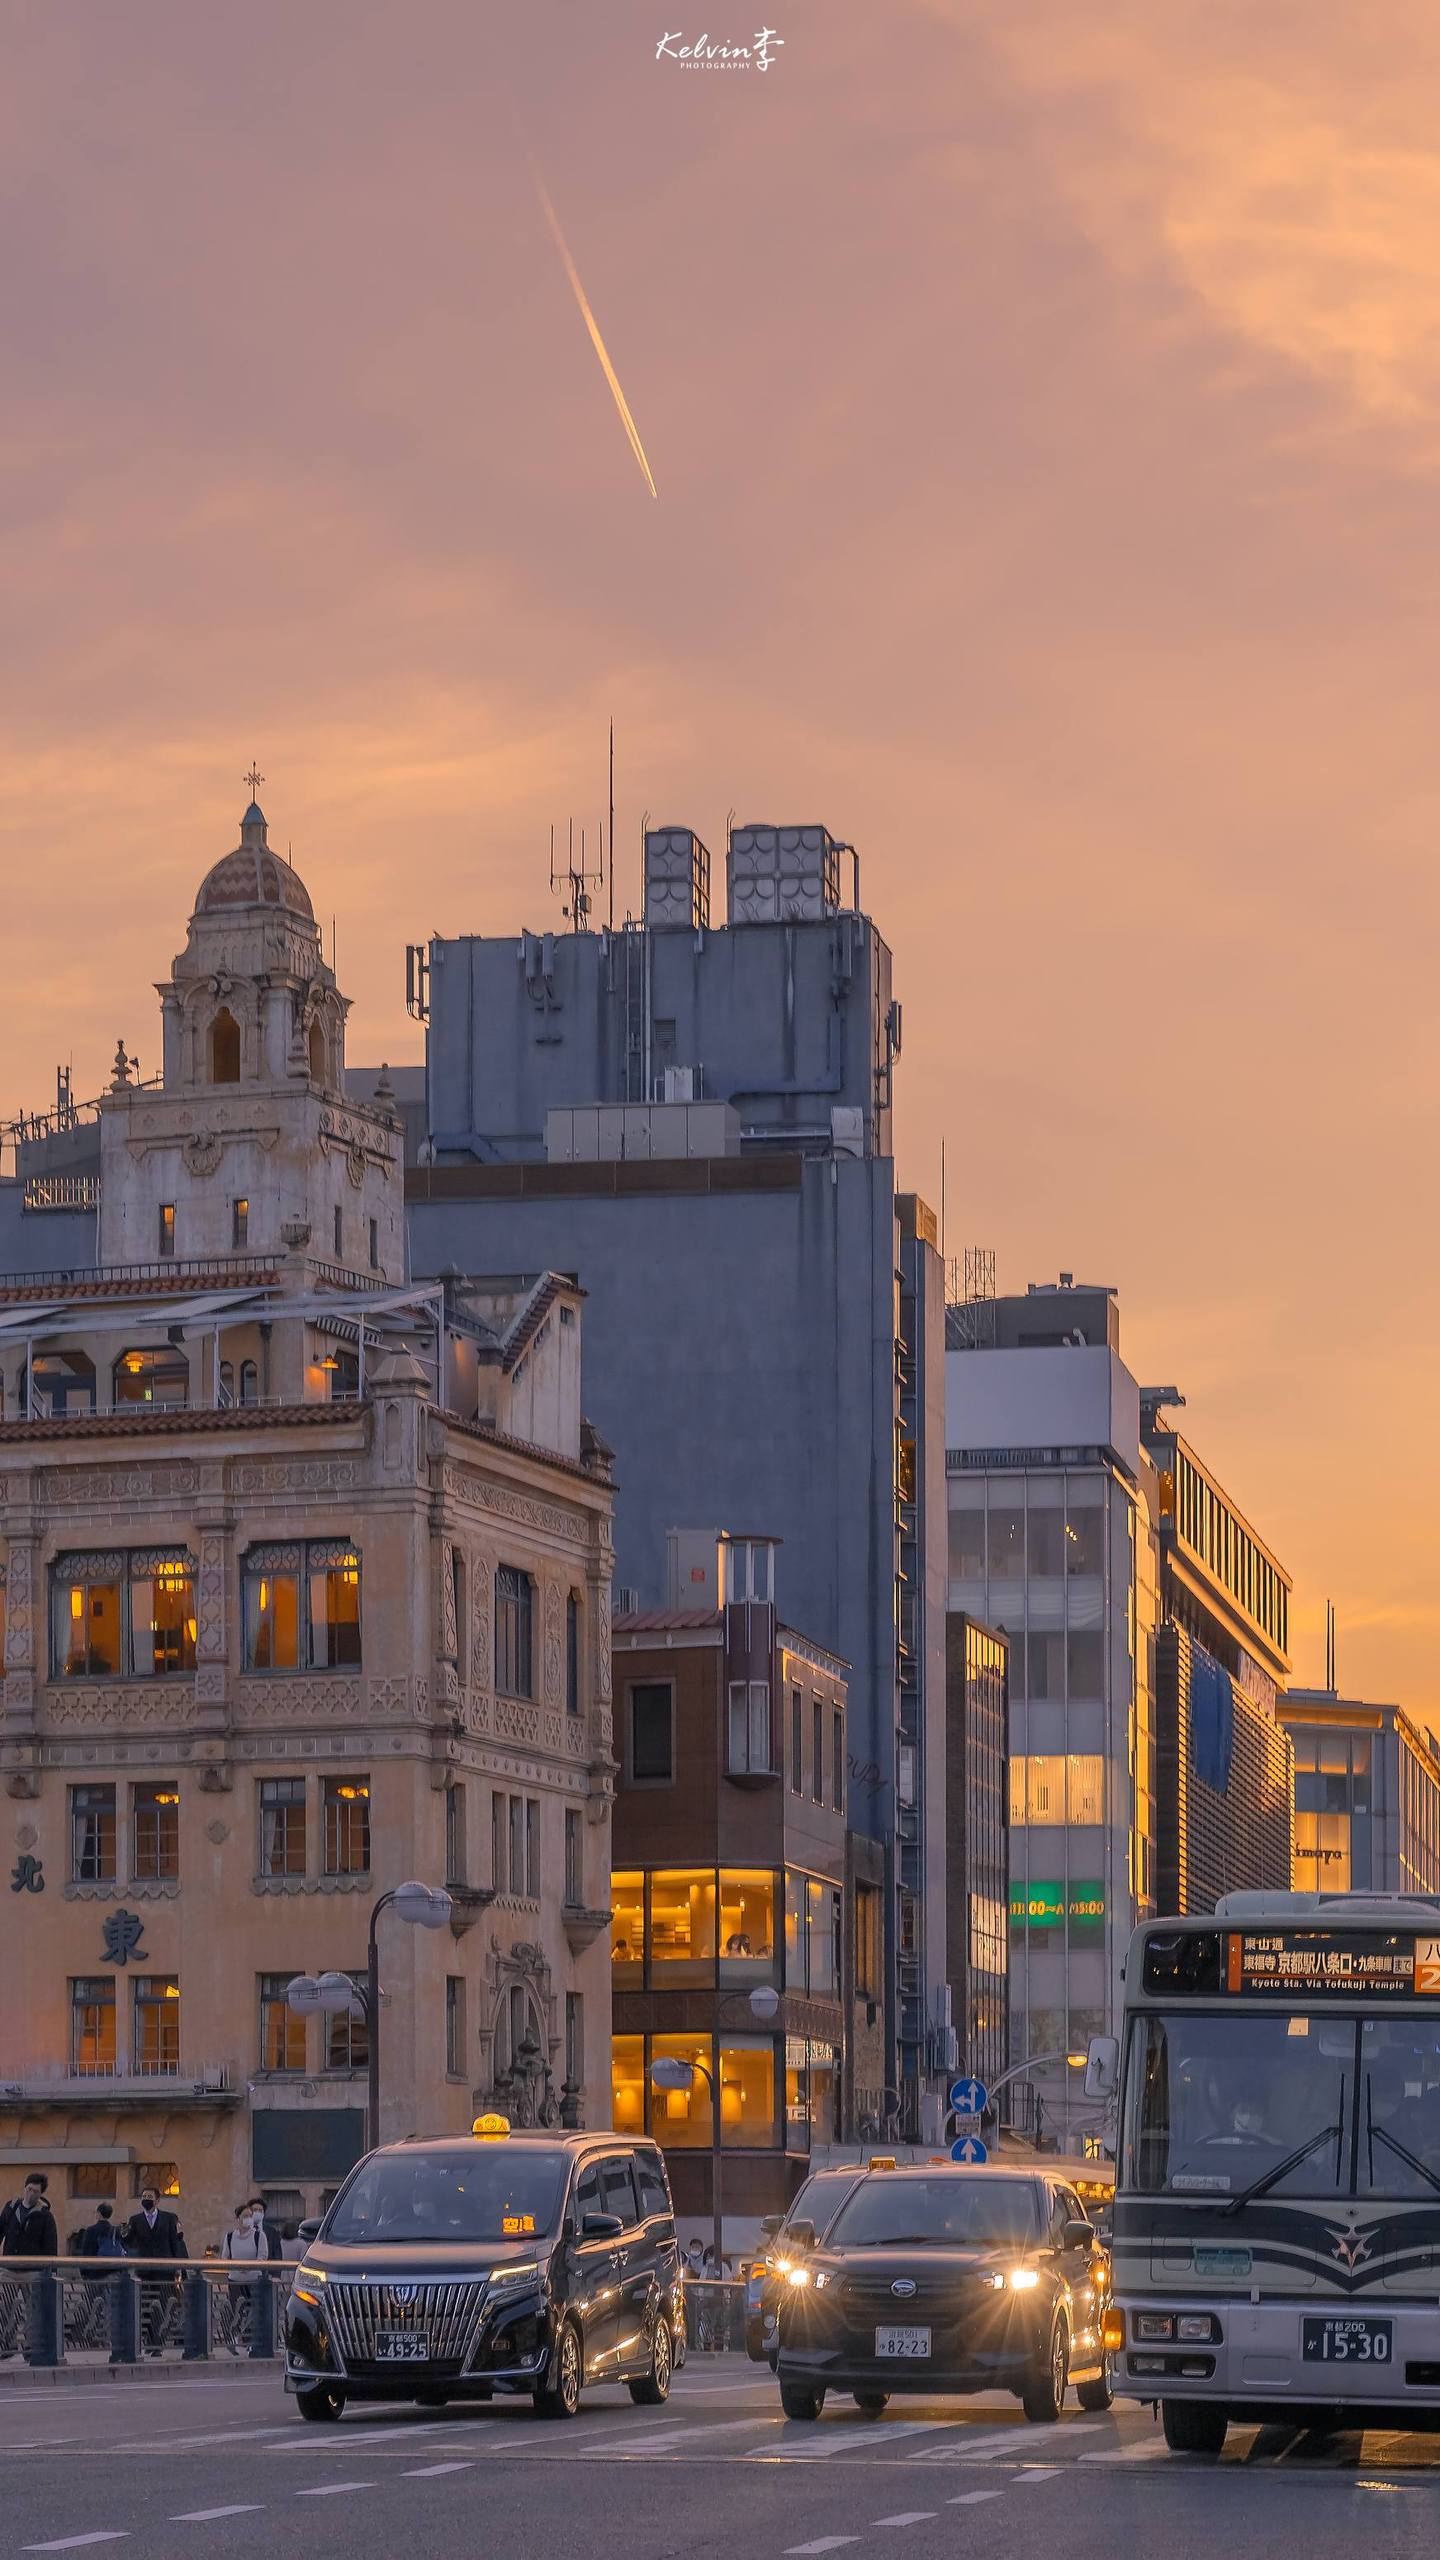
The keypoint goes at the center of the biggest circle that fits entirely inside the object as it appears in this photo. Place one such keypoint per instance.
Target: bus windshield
(1289, 2103)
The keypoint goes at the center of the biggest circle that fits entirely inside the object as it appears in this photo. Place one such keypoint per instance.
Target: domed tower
(251, 1144)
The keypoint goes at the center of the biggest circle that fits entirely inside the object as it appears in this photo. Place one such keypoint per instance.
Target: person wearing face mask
(27, 2230)
(154, 2234)
(246, 2246)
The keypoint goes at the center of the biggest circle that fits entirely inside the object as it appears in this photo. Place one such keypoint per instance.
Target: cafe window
(682, 1926)
(652, 1734)
(156, 2036)
(302, 1606)
(92, 2024)
(747, 1926)
(159, 1379)
(627, 1926)
(347, 1826)
(282, 2029)
(627, 2083)
(92, 1835)
(514, 1632)
(682, 2119)
(122, 1614)
(155, 1832)
(747, 2093)
(282, 1827)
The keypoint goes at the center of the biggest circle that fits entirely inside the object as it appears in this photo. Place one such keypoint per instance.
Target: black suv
(946, 2279)
(523, 2262)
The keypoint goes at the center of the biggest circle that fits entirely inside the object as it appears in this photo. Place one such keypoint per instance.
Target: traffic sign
(969, 2097)
(970, 2150)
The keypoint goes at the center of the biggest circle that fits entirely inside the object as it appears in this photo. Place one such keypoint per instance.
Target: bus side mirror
(1102, 2067)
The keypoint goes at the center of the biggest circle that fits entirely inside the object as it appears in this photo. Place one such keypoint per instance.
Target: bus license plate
(902, 2342)
(402, 2346)
(1346, 2341)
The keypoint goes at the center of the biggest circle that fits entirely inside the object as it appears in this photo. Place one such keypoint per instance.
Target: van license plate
(402, 2346)
(1346, 2341)
(902, 2342)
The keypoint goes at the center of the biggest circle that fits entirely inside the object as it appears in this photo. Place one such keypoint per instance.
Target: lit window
(282, 2029)
(347, 1826)
(627, 1926)
(158, 1378)
(122, 1612)
(92, 1835)
(302, 1606)
(682, 1925)
(747, 1926)
(156, 2034)
(155, 1832)
(239, 1225)
(92, 2025)
(167, 1230)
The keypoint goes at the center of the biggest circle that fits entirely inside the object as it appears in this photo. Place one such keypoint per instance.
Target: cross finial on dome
(253, 778)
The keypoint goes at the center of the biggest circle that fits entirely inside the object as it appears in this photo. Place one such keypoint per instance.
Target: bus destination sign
(1343, 1964)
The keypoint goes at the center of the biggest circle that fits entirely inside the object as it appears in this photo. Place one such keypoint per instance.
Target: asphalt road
(218, 2467)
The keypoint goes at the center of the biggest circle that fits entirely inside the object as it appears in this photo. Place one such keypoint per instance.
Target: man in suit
(156, 2235)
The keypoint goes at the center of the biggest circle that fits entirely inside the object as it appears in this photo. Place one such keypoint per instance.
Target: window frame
(286, 1805)
(514, 1608)
(655, 1688)
(303, 1561)
(294, 2027)
(165, 1808)
(350, 1813)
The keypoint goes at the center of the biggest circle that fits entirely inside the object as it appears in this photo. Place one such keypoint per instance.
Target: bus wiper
(1376, 2133)
(1272, 2177)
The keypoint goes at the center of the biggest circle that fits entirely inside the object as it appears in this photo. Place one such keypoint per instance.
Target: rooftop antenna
(610, 839)
(574, 882)
(1330, 1647)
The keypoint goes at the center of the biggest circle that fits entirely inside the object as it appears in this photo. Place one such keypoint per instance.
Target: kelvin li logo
(703, 55)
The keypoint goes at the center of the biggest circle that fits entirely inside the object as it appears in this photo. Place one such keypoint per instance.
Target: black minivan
(521, 2262)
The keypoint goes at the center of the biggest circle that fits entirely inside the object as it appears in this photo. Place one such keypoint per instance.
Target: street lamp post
(1022, 2070)
(425, 1906)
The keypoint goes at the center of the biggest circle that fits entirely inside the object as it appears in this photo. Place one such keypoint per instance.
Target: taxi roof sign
(490, 2128)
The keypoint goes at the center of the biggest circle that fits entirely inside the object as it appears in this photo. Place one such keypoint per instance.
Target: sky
(1044, 404)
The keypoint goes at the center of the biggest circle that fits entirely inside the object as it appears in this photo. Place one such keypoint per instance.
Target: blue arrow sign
(970, 2150)
(969, 2097)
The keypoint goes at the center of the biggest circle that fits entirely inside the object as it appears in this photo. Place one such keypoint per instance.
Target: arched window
(249, 1382)
(152, 1377)
(317, 1054)
(224, 1048)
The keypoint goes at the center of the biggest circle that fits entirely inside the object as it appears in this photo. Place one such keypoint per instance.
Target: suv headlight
(515, 2279)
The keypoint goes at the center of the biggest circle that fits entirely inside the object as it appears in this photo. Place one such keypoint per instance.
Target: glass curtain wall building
(1367, 1796)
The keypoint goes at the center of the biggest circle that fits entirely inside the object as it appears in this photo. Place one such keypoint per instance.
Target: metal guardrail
(61, 2311)
(120, 2311)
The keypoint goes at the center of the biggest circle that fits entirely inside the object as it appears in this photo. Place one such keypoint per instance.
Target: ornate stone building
(305, 1580)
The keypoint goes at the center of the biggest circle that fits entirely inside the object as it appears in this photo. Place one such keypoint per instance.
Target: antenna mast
(574, 882)
(611, 837)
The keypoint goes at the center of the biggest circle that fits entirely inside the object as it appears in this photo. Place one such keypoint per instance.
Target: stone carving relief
(602, 1641)
(119, 1710)
(479, 1495)
(18, 1592)
(210, 1598)
(297, 1475)
(554, 1645)
(105, 1488)
(218, 1832)
(297, 1701)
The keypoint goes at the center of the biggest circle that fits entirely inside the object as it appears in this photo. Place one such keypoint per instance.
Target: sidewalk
(82, 2368)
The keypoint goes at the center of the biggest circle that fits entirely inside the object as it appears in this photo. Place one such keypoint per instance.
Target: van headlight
(1023, 2279)
(514, 2279)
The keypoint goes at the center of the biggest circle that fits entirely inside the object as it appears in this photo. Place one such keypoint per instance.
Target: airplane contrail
(596, 341)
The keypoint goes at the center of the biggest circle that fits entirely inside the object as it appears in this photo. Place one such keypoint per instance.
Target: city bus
(1276, 2232)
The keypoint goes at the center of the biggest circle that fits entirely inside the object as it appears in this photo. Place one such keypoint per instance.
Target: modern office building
(305, 1582)
(1367, 1796)
(977, 1843)
(694, 1119)
(1224, 1795)
(1137, 1772)
(733, 1939)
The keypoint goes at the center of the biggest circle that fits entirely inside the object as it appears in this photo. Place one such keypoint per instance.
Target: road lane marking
(334, 2488)
(432, 2470)
(1130, 2453)
(827, 2542)
(877, 2433)
(75, 2541)
(681, 2436)
(1039, 2471)
(212, 2515)
(913, 2515)
(973, 2497)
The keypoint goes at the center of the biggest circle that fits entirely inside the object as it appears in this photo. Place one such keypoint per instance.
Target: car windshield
(492, 2191)
(818, 2198)
(950, 2210)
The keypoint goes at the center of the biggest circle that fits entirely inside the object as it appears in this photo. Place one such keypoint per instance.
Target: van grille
(448, 2314)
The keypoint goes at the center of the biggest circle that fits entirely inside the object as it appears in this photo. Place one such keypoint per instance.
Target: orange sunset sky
(1044, 401)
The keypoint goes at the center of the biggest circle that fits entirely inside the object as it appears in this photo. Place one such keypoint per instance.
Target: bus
(1276, 2231)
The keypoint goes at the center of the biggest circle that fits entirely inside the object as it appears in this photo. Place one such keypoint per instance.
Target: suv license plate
(402, 2346)
(1346, 2341)
(902, 2342)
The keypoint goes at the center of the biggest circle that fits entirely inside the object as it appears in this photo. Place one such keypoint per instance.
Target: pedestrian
(27, 2230)
(246, 2245)
(157, 2236)
(100, 2239)
(272, 2236)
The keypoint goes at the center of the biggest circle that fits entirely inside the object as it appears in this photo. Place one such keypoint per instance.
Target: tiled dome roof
(253, 876)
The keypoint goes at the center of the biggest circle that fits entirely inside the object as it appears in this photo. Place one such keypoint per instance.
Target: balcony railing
(104, 2081)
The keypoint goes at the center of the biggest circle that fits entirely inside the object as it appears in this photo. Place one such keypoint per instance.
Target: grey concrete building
(1367, 1796)
(696, 1120)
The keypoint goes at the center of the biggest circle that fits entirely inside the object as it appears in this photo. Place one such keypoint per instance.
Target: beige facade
(287, 1622)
